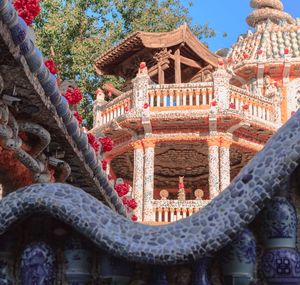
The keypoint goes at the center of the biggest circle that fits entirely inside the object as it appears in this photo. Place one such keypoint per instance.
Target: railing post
(140, 89)
(222, 88)
(98, 106)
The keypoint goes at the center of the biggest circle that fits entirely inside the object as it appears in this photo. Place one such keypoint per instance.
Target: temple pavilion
(187, 120)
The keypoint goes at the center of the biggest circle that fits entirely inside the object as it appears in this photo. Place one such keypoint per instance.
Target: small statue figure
(143, 68)
(271, 88)
(181, 192)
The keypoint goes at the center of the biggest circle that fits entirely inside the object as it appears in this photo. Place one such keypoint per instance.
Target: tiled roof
(270, 41)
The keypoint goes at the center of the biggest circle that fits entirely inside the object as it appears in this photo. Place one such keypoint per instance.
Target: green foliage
(78, 31)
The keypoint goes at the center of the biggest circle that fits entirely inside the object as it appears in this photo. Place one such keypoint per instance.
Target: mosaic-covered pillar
(224, 164)
(239, 260)
(149, 214)
(213, 164)
(222, 88)
(37, 265)
(140, 89)
(138, 175)
(281, 260)
(78, 262)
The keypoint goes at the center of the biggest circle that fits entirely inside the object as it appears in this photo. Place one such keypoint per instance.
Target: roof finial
(268, 9)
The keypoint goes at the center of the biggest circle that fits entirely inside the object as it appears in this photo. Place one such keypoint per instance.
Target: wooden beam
(113, 90)
(161, 74)
(177, 66)
(187, 61)
(154, 69)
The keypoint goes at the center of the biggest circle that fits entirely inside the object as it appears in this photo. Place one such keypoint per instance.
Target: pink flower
(50, 64)
(27, 9)
(245, 106)
(146, 105)
(122, 189)
(232, 105)
(134, 218)
(214, 103)
(107, 144)
(93, 142)
(104, 164)
(78, 117)
(73, 95)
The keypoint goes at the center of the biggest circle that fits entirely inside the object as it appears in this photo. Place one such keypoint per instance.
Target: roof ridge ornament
(272, 10)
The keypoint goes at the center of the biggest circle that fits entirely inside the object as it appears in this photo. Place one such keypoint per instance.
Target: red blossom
(232, 105)
(73, 95)
(107, 144)
(109, 177)
(293, 113)
(122, 189)
(93, 142)
(286, 51)
(142, 65)
(104, 164)
(27, 9)
(221, 62)
(246, 55)
(214, 103)
(146, 105)
(132, 204)
(245, 106)
(259, 51)
(126, 109)
(78, 117)
(125, 201)
(50, 64)
(134, 218)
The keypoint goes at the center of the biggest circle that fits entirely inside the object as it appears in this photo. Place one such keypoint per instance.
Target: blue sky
(230, 16)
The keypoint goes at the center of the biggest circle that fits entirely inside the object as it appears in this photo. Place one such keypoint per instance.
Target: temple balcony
(168, 211)
(188, 98)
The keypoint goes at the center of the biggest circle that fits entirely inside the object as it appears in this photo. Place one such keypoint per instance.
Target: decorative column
(222, 88)
(213, 164)
(224, 164)
(140, 88)
(138, 174)
(149, 214)
(98, 107)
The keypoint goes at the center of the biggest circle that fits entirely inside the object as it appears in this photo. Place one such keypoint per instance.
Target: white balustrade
(168, 211)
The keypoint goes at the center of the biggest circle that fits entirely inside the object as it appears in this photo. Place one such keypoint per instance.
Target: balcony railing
(168, 211)
(259, 107)
(198, 95)
(192, 96)
(117, 107)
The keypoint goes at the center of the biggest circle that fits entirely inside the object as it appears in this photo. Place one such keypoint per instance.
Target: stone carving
(37, 265)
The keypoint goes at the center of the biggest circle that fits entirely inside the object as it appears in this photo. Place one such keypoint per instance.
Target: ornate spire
(268, 10)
